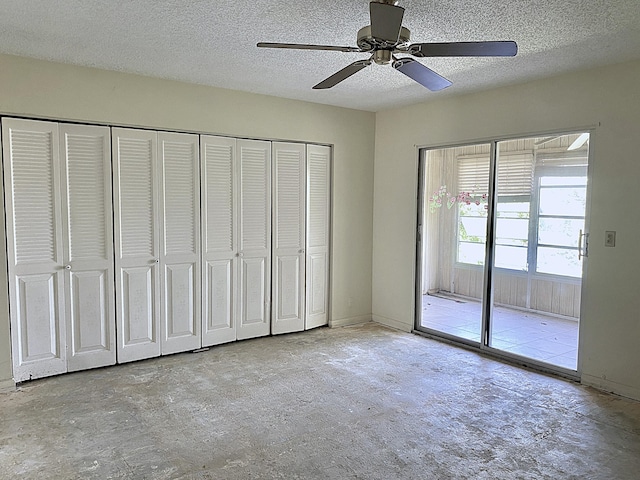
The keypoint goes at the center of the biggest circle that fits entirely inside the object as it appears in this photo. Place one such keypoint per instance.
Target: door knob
(67, 267)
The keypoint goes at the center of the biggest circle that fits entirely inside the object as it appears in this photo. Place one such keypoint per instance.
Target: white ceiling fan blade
(580, 141)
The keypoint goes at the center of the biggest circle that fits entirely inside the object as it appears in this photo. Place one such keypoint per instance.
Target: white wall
(42, 89)
(607, 98)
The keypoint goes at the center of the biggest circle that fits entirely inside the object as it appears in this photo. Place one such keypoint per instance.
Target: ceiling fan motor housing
(368, 43)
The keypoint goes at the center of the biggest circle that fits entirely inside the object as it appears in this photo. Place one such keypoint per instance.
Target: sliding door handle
(583, 245)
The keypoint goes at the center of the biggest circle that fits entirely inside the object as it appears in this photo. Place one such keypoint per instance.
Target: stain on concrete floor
(361, 402)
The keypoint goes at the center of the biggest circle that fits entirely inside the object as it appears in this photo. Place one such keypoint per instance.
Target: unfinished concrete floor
(361, 402)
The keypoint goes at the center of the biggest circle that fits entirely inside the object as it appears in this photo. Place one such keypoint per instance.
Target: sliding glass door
(502, 245)
(454, 205)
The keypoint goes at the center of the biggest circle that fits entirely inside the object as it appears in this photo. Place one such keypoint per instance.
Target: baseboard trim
(392, 323)
(7, 386)
(343, 322)
(611, 387)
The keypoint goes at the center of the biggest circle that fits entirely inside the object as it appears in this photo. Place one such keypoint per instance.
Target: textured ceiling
(214, 42)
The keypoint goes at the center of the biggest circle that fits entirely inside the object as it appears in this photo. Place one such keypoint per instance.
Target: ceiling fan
(386, 37)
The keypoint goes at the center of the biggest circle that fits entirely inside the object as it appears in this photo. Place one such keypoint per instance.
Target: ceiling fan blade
(578, 142)
(343, 74)
(386, 21)
(421, 74)
(464, 49)
(304, 46)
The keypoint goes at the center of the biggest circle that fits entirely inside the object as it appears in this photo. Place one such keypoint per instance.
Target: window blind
(561, 159)
(515, 173)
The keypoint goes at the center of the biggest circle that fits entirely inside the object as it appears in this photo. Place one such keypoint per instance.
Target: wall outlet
(610, 239)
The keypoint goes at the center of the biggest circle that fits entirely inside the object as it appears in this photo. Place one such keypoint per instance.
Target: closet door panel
(37, 326)
(219, 183)
(180, 294)
(180, 241)
(318, 221)
(139, 326)
(90, 331)
(317, 294)
(88, 246)
(288, 298)
(137, 243)
(255, 238)
(253, 272)
(34, 247)
(220, 277)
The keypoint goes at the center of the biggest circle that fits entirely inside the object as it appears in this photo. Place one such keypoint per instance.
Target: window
(512, 232)
(472, 231)
(560, 221)
(539, 211)
(513, 207)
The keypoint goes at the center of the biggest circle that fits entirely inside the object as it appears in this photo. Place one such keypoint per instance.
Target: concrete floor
(360, 402)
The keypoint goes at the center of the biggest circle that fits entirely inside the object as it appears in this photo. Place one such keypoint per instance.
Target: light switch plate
(609, 239)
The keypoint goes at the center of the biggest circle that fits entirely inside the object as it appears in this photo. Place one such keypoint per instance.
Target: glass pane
(514, 258)
(559, 261)
(569, 201)
(525, 315)
(560, 231)
(472, 253)
(473, 229)
(453, 229)
(473, 209)
(512, 231)
(513, 209)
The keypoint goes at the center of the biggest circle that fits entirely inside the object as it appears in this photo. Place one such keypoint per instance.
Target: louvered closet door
(34, 247)
(180, 242)
(254, 249)
(318, 220)
(219, 183)
(287, 314)
(88, 246)
(137, 243)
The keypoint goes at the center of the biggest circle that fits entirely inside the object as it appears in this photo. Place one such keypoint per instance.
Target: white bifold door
(301, 206)
(60, 251)
(288, 283)
(318, 222)
(180, 242)
(236, 238)
(157, 209)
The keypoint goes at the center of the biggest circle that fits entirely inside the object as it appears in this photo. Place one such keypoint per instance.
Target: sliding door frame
(489, 268)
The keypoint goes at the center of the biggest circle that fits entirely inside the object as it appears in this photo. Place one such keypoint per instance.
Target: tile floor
(549, 339)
